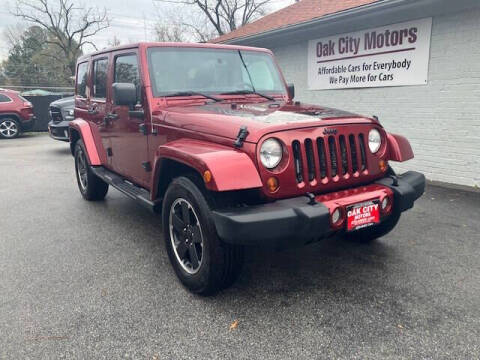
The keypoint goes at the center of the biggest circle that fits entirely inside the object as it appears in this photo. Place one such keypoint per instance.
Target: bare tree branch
(70, 27)
(200, 33)
(51, 55)
(224, 15)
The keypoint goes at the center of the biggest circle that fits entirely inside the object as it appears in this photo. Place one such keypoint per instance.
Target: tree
(115, 41)
(222, 15)
(169, 33)
(3, 78)
(69, 27)
(28, 62)
(13, 34)
(19, 68)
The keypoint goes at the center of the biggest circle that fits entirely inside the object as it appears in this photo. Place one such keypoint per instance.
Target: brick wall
(441, 119)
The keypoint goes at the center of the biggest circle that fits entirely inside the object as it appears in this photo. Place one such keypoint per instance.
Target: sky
(131, 20)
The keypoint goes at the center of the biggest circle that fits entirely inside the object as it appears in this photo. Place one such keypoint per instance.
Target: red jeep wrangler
(210, 135)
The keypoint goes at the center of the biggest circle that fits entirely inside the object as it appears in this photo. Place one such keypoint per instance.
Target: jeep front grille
(332, 157)
(55, 114)
(298, 161)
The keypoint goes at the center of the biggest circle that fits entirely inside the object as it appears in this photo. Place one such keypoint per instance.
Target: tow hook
(311, 198)
(392, 175)
(394, 179)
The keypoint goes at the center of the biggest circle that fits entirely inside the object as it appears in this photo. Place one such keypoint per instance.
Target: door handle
(112, 116)
(109, 118)
(142, 128)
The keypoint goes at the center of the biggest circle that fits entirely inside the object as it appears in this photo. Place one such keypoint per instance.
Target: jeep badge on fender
(210, 137)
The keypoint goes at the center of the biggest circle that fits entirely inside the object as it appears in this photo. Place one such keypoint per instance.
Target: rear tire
(203, 263)
(374, 232)
(91, 186)
(9, 128)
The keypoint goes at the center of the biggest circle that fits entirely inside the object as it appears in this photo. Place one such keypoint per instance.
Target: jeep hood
(67, 102)
(225, 119)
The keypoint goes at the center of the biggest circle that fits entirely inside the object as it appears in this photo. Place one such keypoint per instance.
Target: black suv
(61, 113)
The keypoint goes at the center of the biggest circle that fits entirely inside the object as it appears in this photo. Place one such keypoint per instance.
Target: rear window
(82, 75)
(4, 98)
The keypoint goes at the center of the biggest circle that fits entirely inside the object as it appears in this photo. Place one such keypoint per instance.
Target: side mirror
(124, 94)
(291, 91)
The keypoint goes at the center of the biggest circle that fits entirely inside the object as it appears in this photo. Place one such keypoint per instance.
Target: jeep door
(99, 102)
(82, 90)
(129, 144)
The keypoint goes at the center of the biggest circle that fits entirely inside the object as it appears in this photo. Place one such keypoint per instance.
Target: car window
(126, 71)
(260, 72)
(212, 71)
(4, 98)
(100, 78)
(82, 74)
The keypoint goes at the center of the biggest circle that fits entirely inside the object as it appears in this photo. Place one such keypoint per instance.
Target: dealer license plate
(363, 214)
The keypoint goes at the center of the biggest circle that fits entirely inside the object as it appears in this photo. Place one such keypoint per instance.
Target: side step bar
(131, 190)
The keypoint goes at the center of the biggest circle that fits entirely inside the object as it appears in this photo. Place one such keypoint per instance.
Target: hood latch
(242, 135)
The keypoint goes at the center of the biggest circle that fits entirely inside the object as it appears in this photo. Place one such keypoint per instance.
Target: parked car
(61, 113)
(210, 136)
(16, 114)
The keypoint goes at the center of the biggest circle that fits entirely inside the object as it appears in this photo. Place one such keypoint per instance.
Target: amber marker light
(207, 176)
(272, 184)
(383, 165)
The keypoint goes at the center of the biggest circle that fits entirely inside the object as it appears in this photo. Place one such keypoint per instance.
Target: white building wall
(441, 119)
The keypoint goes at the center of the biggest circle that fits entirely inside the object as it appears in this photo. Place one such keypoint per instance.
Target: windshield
(212, 71)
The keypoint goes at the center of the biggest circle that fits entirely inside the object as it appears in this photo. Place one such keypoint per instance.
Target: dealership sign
(392, 55)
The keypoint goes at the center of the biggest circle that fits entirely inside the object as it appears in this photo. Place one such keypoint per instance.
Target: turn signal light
(383, 165)
(272, 184)
(207, 176)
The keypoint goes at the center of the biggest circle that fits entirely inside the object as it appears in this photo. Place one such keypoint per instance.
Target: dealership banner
(392, 55)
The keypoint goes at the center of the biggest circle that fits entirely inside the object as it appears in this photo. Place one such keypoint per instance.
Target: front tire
(374, 232)
(203, 263)
(91, 186)
(9, 128)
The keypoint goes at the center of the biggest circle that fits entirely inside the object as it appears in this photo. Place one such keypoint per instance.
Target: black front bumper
(294, 221)
(59, 130)
(406, 188)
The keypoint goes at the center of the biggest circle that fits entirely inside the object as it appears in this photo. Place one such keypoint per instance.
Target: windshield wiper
(246, 92)
(253, 91)
(192, 93)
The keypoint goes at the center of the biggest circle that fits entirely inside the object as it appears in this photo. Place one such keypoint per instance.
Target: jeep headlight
(71, 112)
(374, 140)
(271, 153)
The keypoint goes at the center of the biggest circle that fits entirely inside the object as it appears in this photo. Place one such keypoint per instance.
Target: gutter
(381, 5)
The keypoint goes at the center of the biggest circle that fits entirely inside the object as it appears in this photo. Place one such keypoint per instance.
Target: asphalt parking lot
(92, 280)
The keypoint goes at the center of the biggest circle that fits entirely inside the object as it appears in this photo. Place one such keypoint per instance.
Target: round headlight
(374, 140)
(271, 153)
(71, 112)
